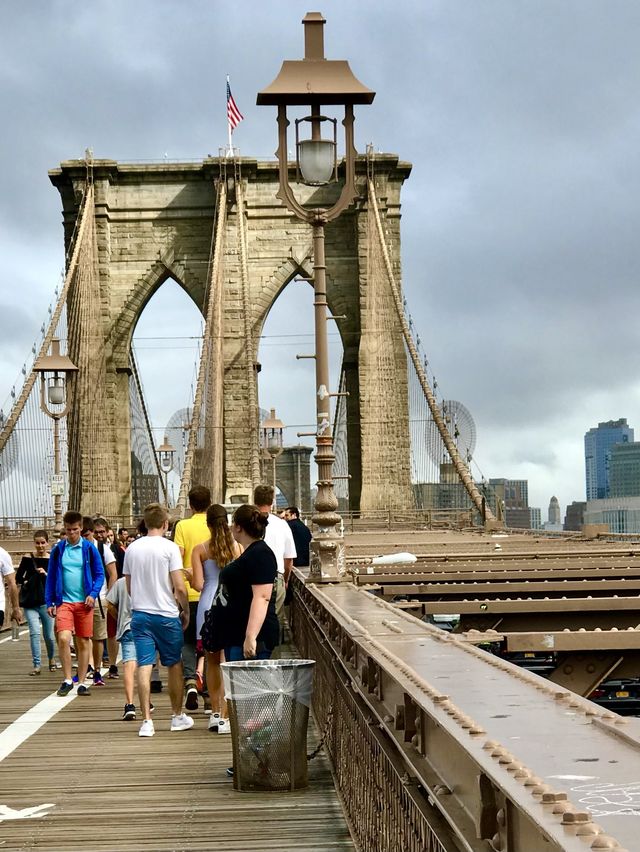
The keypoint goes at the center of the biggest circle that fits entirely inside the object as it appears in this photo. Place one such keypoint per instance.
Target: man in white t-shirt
(159, 613)
(8, 573)
(279, 538)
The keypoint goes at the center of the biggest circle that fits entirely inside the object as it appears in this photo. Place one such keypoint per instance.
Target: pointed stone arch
(155, 221)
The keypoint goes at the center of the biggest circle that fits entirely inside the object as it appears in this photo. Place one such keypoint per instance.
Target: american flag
(234, 116)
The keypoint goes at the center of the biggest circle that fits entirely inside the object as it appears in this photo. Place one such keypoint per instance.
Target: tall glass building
(597, 454)
(624, 470)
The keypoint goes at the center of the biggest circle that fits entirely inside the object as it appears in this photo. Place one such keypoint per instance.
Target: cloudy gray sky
(520, 222)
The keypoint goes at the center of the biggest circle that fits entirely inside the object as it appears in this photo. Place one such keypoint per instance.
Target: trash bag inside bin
(269, 711)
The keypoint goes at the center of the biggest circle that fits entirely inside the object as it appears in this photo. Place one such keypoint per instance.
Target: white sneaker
(182, 722)
(224, 726)
(214, 721)
(146, 729)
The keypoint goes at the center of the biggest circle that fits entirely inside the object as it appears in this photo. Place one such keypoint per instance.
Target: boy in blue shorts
(119, 606)
(159, 613)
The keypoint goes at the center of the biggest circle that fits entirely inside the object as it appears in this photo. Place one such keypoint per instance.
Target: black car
(622, 696)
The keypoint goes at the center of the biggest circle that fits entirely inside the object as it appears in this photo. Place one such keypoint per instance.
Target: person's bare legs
(98, 650)
(215, 685)
(112, 649)
(144, 690)
(63, 638)
(83, 647)
(129, 680)
(176, 687)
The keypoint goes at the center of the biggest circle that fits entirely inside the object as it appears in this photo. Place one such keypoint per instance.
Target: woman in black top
(31, 577)
(245, 624)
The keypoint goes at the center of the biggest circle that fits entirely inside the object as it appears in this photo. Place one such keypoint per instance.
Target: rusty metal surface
(516, 761)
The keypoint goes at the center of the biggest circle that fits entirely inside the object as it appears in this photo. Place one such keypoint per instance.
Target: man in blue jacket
(74, 580)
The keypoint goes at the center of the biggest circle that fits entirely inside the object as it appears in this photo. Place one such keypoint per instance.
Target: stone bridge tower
(155, 221)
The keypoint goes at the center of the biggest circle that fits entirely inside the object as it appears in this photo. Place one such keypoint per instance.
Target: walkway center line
(24, 726)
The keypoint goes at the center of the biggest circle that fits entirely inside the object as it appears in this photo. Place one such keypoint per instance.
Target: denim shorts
(157, 634)
(128, 647)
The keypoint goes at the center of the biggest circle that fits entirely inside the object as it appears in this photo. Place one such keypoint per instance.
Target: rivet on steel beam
(490, 745)
(572, 817)
(554, 796)
(589, 829)
(541, 789)
(562, 807)
(532, 781)
(603, 841)
(496, 842)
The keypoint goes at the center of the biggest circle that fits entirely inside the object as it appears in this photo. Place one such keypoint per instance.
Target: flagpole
(230, 131)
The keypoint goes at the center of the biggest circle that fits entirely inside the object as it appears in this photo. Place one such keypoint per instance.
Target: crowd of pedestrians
(189, 598)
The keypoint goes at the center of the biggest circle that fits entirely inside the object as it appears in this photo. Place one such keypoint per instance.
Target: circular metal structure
(462, 429)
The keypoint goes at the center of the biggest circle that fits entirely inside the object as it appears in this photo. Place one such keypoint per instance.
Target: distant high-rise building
(554, 511)
(624, 470)
(574, 517)
(535, 518)
(514, 493)
(597, 451)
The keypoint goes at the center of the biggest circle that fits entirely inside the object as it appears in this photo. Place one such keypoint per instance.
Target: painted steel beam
(512, 762)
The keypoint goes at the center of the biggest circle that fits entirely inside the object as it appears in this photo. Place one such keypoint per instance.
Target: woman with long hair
(207, 561)
(31, 578)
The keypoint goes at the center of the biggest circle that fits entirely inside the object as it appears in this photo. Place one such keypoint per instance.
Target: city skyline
(518, 219)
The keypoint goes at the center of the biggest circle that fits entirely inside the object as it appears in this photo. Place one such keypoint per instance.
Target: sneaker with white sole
(146, 729)
(214, 721)
(224, 726)
(181, 722)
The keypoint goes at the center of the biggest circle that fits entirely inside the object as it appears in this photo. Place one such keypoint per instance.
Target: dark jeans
(234, 654)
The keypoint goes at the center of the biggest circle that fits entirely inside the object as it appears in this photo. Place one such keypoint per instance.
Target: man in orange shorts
(74, 580)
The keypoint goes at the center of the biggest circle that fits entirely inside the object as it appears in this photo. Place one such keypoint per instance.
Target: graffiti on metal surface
(611, 799)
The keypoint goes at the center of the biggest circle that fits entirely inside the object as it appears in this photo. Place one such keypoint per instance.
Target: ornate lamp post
(54, 402)
(272, 442)
(316, 82)
(166, 455)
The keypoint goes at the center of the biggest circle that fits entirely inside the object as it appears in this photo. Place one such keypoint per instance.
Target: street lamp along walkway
(316, 82)
(54, 370)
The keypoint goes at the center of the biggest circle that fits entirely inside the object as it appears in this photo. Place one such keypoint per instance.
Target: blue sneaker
(64, 688)
(83, 690)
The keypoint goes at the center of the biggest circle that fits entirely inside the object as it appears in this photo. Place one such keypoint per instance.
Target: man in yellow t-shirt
(188, 533)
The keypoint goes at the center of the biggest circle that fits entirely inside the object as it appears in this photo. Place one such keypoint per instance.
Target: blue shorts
(157, 634)
(128, 647)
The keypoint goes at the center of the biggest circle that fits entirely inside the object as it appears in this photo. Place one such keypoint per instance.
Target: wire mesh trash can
(268, 703)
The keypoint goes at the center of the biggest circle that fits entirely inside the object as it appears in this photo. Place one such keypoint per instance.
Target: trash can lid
(269, 664)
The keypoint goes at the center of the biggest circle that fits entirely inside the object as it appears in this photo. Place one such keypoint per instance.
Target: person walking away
(73, 584)
(159, 613)
(113, 570)
(243, 621)
(301, 537)
(187, 534)
(279, 538)
(31, 577)
(99, 610)
(207, 560)
(8, 574)
(119, 607)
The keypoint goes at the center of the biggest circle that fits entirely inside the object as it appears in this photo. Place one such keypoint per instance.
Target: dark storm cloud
(520, 219)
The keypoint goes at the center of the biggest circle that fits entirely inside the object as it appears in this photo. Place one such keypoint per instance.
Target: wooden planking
(115, 791)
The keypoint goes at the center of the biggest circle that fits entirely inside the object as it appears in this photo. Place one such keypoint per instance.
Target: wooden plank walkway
(110, 790)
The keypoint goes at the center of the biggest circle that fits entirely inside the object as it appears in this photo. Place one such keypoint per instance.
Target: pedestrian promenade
(74, 776)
